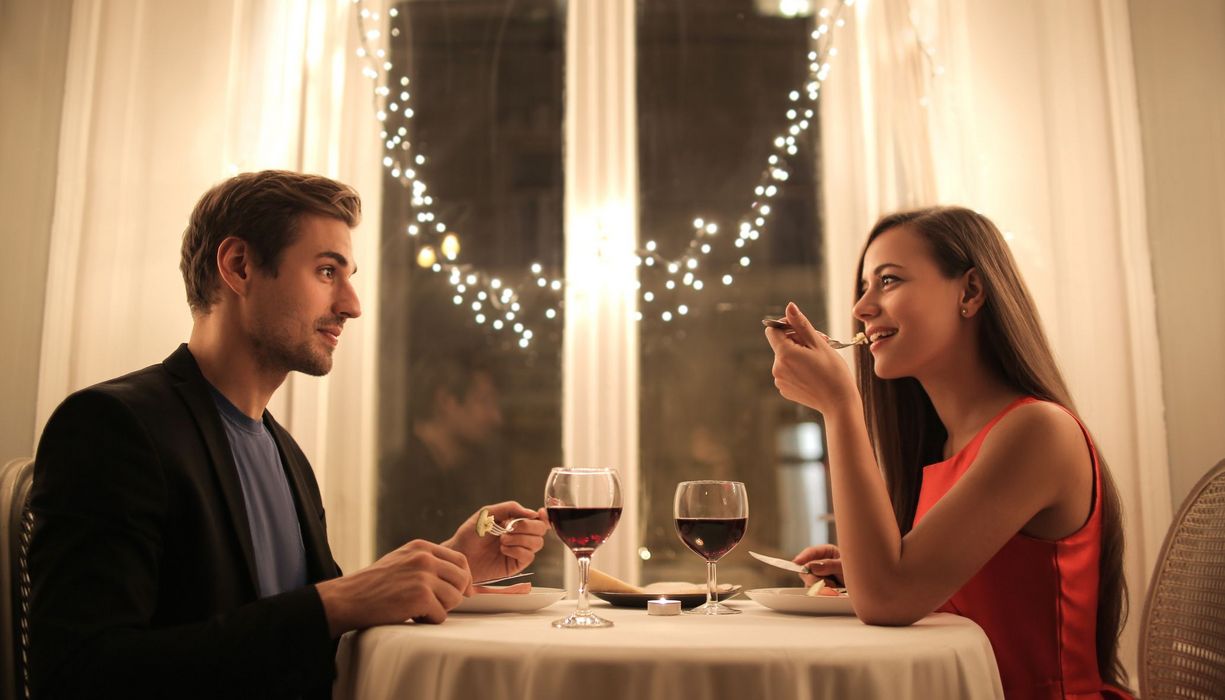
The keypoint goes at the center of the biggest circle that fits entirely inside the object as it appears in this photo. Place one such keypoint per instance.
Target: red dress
(1036, 599)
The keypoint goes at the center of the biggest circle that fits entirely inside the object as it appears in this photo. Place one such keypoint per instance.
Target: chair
(1182, 647)
(18, 522)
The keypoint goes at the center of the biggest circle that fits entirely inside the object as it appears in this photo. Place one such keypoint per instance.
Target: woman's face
(910, 310)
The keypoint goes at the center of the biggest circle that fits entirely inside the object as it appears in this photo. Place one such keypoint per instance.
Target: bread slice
(604, 583)
(599, 581)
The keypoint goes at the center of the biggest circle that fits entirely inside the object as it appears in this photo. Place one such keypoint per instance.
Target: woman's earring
(964, 311)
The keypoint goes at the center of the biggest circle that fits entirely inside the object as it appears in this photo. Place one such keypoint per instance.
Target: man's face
(295, 318)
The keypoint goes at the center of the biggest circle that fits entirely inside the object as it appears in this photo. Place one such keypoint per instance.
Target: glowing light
(450, 246)
(426, 256)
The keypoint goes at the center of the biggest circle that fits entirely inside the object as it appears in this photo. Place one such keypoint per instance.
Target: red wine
(583, 529)
(711, 537)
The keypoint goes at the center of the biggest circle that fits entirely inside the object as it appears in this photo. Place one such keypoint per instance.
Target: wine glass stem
(710, 583)
(584, 566)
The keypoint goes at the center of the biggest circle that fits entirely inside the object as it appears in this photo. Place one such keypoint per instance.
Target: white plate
(796, 600)
(534, 600)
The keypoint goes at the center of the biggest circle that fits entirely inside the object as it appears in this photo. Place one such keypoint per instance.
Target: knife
(488, 581)
(780, 563)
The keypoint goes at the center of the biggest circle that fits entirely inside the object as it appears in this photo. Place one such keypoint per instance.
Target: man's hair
(264, 210)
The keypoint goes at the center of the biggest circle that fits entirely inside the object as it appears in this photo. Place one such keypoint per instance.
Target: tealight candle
(663, 606)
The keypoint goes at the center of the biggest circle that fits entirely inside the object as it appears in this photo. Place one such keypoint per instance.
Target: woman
(994, 503)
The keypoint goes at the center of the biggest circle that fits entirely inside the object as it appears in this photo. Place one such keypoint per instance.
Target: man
(450, 464)
(180, 545)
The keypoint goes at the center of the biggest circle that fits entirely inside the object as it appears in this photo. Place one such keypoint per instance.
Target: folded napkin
(600, 582)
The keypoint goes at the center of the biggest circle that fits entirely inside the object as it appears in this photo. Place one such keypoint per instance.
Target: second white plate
(534, 600)
(796, 600)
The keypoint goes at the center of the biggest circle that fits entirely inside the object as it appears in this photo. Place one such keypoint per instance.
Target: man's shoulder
(134, 389)
(147, 391)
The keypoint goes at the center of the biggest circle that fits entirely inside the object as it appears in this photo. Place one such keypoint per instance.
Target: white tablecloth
(759, 654)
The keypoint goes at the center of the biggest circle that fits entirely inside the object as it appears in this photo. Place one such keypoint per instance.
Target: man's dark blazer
(141, 560)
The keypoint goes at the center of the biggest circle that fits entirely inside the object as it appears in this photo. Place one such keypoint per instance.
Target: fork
(498, 530)
(859, 339)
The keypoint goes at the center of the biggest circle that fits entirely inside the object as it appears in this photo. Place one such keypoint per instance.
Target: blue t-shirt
(280, 556)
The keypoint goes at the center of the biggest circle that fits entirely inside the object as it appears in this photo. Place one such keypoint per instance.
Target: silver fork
(498, 530)
(859, 339)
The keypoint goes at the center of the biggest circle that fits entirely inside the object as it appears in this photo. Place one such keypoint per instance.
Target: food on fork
(484, 521)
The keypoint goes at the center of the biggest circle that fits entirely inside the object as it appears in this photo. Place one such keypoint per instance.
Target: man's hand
(491, 557)
(419, 581)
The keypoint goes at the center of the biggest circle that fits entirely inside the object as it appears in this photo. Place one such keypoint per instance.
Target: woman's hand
(491, 557)
(806, 370)
(824, 561)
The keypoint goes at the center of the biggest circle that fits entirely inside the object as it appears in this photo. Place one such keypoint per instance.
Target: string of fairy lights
(686, 271)
(498, 303)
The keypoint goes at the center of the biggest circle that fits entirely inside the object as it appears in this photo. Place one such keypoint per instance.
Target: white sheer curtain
(1027, 113)
(163, 100)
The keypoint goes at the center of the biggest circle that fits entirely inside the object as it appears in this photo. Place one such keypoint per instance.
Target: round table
(758, 654)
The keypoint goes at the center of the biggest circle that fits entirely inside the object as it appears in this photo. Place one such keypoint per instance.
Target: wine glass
(584, 506)
(711, 517)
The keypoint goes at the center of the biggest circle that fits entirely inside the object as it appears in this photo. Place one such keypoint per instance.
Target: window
(713, 86)
(467, 416)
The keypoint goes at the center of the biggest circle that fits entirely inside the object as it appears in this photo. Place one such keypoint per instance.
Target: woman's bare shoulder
(1042, 436)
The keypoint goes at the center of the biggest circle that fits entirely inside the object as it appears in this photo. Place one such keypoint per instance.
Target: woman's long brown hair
(902, 423)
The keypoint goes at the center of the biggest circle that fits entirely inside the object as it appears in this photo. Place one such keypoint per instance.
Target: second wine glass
(711, 517)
